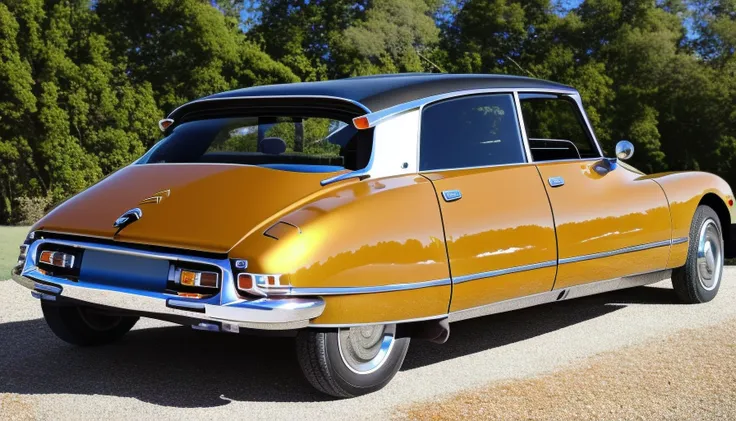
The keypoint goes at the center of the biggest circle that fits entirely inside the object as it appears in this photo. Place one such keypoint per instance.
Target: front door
(610, 221)
(498, 222)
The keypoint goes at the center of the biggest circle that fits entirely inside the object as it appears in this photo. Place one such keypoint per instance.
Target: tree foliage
(82, 83)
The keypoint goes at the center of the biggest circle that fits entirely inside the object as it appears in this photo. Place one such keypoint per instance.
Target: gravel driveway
(168, 372)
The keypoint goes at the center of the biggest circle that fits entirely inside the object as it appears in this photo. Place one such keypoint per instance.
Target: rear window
(305, 144)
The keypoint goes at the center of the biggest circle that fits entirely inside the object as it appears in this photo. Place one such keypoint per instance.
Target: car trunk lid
(205, 207)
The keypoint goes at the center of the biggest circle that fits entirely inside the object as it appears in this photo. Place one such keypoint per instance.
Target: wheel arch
(713, 201)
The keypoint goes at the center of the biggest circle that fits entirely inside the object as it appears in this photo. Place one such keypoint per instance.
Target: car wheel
(698, 281)
(352, 361)
(85, 326)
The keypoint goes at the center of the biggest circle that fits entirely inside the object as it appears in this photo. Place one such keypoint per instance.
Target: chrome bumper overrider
(226, 308)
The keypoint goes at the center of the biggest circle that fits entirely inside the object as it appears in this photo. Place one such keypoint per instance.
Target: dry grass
(691, 375)
(10, 239)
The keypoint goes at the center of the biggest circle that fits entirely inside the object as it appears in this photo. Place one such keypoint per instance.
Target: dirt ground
(690, 375)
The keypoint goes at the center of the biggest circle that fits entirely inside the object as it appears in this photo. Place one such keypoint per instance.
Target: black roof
(384, 91)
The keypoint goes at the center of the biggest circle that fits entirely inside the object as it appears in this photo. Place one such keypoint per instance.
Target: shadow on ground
(178, 367)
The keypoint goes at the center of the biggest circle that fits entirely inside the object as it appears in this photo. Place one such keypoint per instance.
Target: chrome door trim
(420, 103)
(641, 247)
(554, 295)
(308, 291)
(522, 127)
(414, 320)
(501, 272)
(680, 240)
(561, 294)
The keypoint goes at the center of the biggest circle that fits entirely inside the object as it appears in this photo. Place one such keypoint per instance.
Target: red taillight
(245, 281)
(262, 285)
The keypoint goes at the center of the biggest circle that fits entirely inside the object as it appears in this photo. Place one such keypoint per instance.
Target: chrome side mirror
(624, 150)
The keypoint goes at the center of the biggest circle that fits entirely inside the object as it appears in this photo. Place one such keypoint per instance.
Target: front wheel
(349, 362)
(698, 281)
(85, 326)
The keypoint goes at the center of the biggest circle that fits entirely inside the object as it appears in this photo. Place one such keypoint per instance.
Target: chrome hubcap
(710, 255)
(364, 349)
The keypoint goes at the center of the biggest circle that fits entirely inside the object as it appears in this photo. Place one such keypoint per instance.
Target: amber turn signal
(57, 258)
(361, 123)
(195, 278)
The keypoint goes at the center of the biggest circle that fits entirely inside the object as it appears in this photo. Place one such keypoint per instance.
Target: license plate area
(125, 271)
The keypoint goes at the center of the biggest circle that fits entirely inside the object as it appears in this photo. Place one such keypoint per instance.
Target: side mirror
(624, 150)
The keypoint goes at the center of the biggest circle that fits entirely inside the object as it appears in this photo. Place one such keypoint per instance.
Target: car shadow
(480, 334)
(179, 367)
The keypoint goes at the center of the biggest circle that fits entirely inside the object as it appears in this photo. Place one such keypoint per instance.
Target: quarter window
(555, 128)
(471, 131)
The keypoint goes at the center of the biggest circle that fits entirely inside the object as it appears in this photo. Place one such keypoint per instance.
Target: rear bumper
(227, 309)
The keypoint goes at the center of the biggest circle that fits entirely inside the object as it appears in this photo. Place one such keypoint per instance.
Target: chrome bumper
(227, 309)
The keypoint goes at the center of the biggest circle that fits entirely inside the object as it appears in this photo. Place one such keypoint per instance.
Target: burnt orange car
(363, 212)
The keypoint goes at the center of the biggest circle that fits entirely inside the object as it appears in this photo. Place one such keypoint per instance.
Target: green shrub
(28, 210)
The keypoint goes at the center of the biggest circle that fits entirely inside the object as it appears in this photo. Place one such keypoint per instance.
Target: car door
(610, 221)
(498, 223)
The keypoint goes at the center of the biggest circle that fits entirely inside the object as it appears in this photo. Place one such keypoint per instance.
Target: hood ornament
(127, 218)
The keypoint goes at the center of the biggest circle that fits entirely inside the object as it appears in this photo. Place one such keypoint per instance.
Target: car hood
(191, 206)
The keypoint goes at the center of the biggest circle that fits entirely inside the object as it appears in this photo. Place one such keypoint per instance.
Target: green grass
(10, 239)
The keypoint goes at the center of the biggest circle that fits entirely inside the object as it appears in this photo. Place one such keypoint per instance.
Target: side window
(471, 131)
(555, 128)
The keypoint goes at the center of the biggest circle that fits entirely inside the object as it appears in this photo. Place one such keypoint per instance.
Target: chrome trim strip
(680, 240)
(579, 100)
(418, 319)
(567, 294)
(500, 272)
(624, 250)
(522, 128)
(368, 290)
(378, 116)
(196, 101)
(47, 288)
(517, 164)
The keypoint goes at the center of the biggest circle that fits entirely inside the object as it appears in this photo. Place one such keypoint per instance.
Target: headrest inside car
(273, 145)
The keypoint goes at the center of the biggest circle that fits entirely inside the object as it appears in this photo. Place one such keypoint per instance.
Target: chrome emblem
(128, 218)
(157, 197)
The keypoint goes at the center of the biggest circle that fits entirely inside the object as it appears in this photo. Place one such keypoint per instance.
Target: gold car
(363, 212)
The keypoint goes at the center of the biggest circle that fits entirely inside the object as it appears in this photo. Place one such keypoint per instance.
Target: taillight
(57, 258)
(197, 278)
(262, 285)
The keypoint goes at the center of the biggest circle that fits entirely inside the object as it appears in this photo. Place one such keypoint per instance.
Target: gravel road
(168, 372)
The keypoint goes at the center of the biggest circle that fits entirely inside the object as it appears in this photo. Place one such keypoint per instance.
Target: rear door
(497, 218)
(611, 222)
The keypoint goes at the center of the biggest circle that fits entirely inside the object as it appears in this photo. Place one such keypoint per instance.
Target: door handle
(556, 181)
(452, 195)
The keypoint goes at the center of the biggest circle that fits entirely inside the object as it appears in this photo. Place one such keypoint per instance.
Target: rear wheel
(85, 326)
(352, 361)
(699, 280)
